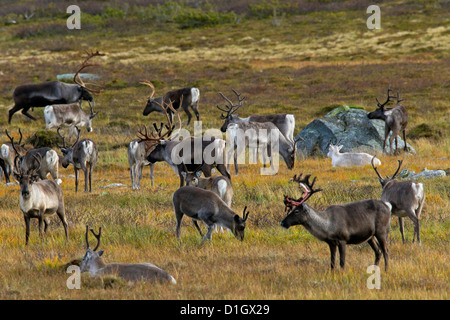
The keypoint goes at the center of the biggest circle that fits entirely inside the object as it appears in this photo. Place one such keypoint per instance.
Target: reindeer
(184, 98)
(68, 114)
(406, 197)
(83, 155)
(137, 159)
(348, 159)
(396, 120)
(163, 149)
(339, 225)
(54, 92)
(208, 207)
(284, 122)
(39, 199)
(93, 263)
(48, 160)
(8, 153)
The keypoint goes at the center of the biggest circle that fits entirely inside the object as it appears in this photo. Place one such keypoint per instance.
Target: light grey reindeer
(9, 151)
(70, 114)
(83, 155)
(406, 197)
(137, 159)
(207, 206)
(94, 264)
(396, 120)
(339, 225)
(40, 199)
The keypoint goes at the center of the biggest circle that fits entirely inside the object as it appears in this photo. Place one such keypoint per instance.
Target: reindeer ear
(100, 253)
(340, 147)
(198, 174)
(93, 115)
(183, 174)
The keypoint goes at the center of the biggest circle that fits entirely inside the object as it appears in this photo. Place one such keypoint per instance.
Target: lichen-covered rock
(351, 126)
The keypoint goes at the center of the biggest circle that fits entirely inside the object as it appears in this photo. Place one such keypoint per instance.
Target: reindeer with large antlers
(39, 199)
(83, 155)
(94, 264)
(284, 122)
(9, 151)
(185, 98)
(396, 120)
(406, 197)
(259, 133)
(54, 92)
(339, 225)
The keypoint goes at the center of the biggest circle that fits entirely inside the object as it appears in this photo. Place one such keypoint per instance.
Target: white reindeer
(348, 159)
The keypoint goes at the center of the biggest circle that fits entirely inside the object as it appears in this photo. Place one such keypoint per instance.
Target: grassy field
(305, 60)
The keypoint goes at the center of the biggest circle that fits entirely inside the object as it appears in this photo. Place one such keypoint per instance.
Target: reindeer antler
(96, 235)
(77, 79)
(387, 100)
(12, 141)
(148, 83)
(231, 108)
(153, 138)
(307, 187)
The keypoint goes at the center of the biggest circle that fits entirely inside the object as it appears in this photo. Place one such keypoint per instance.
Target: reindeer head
(387, 179)
(26, 178)
(92, 259)
(239, 225)
(230, 109)
(298, 215)
(68, 151)
(379, 113)
(192, 177)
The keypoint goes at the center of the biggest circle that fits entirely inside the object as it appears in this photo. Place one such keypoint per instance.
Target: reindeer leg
(25, 112)
(198, 227)
(61, 214)
(341, 246)
(382, 241)
(179, 217)
(90, 178)
(400, 223)
(41, 225)
(27, 228)
(375, 248)
(76, 180)
(332, 246)
(152, 165)
(404, 140)
(132, 169)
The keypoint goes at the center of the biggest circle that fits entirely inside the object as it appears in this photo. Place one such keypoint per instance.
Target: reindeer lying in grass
(94, 264)
(348, 159)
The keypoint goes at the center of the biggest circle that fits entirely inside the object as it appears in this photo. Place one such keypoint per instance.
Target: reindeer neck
(96, 266)
(316, 223)
(225, 217)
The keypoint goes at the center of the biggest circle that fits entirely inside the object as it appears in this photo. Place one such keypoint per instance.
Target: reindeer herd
(207, 199)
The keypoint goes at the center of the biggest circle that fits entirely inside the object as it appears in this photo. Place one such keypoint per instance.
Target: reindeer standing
(83, 155)
(54, 92)
(339, 225)
(396, 120)
(406, 197)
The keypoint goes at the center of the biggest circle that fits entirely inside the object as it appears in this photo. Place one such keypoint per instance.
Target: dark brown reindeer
(206, 206)
(340, 225)
(93, 263)
(395, 119)
(406, 197)
(162, 148)
(185, 98)
(39, 199)
(83, 155)
(284, 122)
(53, 92)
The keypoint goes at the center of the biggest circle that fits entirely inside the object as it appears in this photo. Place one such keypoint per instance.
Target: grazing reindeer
(259, 135)
(68, 114)
(94, 264)
(8, 153)
(83, 155)
(348, 159)
(184, 98)
(339, 225)
(48, 161)
(220, 185)
(207, 206)
(284, 122)
(137, 159)
(53, 92)
(161, 149)
(406, 197)
(39, 199)
(396, 120)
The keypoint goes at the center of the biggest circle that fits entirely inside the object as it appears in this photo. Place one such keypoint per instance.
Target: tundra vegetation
(296, 57)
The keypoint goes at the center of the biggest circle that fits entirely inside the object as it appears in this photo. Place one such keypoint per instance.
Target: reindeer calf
(348, 159)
